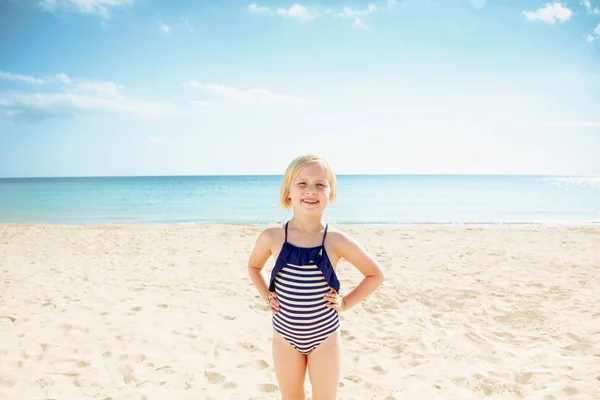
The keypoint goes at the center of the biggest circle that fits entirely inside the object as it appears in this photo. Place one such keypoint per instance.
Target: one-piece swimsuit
(303, 319)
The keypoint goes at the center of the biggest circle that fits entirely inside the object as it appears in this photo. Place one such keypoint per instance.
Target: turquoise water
(393, 199)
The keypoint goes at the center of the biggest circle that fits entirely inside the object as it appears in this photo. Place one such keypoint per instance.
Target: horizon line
(280, 175)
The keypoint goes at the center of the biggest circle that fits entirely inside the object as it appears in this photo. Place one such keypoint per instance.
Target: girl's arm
(355, 254)
(258, 258)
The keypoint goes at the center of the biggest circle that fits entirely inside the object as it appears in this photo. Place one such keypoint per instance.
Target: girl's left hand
(335, 301)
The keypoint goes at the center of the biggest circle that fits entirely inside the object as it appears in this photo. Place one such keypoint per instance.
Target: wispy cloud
(58, 78)
(551, 13)
(595, 35)
(99, 88)
(164, 27)
(358, 23)
(98, 7)
(353, 13)
(256, 96)
(588, 6)
(356, 14)
(254, 8)
(23, 78)
(296, 11)
(84, 97)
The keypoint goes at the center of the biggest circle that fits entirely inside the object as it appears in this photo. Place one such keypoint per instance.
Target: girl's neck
(309, 224)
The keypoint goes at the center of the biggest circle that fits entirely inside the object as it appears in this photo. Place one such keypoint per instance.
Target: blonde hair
(294, 169)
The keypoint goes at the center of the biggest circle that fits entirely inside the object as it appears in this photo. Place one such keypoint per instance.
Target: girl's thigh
(325, 367)
(290, 368)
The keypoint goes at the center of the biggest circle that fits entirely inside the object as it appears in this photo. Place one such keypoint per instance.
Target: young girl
(303, 292)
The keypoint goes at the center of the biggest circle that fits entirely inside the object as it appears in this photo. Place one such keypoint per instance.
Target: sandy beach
(169, 312)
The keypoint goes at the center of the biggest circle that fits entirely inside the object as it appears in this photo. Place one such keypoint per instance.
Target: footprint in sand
(268, 388)
(167, 369)
(44, 382)
(378, 368)
(136, 358)
(353, 378)
(137, 308)
(163, 306)
(523, 378)
(248, 346)
(256, 365)
(571, 391)
(214, 377)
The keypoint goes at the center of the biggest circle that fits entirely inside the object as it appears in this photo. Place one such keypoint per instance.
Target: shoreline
(343, 224)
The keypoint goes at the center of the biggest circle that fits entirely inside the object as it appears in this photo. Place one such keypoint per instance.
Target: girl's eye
(302, 183)
(320, 184)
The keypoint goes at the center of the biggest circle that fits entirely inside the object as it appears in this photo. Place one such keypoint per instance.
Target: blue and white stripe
(304, 319)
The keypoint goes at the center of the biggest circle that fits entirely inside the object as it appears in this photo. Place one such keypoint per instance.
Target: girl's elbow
(380, 275)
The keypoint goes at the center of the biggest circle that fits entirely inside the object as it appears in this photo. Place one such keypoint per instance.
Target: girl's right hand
(273, 303)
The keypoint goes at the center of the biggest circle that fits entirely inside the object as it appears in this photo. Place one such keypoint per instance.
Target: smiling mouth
(310, 201)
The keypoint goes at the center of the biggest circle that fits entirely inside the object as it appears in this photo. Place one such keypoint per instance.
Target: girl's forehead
(315, 170)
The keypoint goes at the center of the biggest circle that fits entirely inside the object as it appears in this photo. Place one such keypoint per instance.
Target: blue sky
(142, 87)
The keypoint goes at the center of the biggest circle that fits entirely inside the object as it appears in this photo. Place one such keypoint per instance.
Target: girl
(303, 292)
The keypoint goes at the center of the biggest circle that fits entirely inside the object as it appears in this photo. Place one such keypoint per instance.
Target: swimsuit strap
(286, 224)
(324, 235)
(323, 244)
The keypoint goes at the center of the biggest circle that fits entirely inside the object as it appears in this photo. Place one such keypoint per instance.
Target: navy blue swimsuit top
(304, 256)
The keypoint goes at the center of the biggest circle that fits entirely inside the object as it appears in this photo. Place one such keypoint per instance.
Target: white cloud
(32, 107)
(165, 28)
(99, 88)
(588, 6)
(296, 11)
(254, 8)
(59, 78)
(248, 96)
(358, 23)
(23, 78)
(550, 13)
(84, 98)
(595, 35)
(353, 13)
(98, 7)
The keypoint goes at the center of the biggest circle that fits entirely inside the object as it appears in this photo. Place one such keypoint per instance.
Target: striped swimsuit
(303, 319)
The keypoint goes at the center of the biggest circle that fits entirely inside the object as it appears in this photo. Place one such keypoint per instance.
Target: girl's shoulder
(273, 233)
(338, 237)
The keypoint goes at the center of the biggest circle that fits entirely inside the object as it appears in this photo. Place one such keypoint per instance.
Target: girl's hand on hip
(273, 304)
(335, 301)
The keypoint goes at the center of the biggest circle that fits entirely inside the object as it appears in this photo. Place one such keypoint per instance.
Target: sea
(362, 199)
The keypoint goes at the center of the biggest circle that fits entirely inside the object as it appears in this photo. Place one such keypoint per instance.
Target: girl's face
(310, 190)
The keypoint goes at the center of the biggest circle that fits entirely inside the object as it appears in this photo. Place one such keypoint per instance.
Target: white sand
(146, 312)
